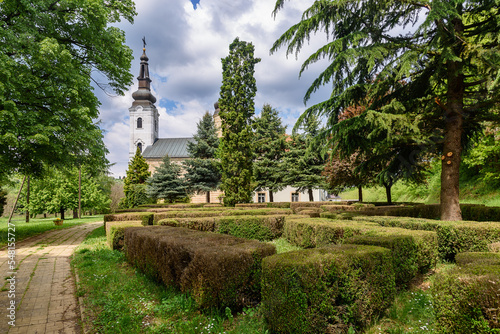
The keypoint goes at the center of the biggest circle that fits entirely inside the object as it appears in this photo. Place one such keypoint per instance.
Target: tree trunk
(208, 196)
(360, 194)
(61, 211)
(452, 146)
(45, 215)
(79, 215)
(17, 199)
(311, 198)
(388, 187)
(28, 200)
(271, 196)
(76, 213)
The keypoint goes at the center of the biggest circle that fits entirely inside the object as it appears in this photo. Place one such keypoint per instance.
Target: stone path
(45, 298)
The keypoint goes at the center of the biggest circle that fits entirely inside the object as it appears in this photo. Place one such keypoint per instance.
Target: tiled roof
(174, 147)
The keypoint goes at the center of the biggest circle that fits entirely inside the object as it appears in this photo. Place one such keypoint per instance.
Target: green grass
(25, 230)
(118, 299)
(282, 245)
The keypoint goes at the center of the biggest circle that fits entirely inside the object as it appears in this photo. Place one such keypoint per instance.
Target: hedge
(466, 297)
(215, 213)
(173, 205)
(403, 222)
(217, 270)
(145, 217)
(206, 224)
(326, 290)
(115, 232)
(280, 205)
(295, 205)
(413, 252)
(314, 232)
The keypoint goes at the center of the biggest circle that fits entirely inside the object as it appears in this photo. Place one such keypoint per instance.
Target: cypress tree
(134, 183)
(166, 183)
(236, 109)
(269, 148)
(202, 169)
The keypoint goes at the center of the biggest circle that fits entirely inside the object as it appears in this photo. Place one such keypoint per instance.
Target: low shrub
(295, 205)
(145, 217)
(201, 224)
(281, 205)
(115, 232)
(340, 215)
(251, 205)
(218, 270)
(263, 228)
(313, 232)
(337, 207)
(403, 222)
(326, 290)
(466, 297)
(219, 212)
(413, 252)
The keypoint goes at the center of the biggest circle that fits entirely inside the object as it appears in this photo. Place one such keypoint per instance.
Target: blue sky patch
(169, 104)
(195, 3)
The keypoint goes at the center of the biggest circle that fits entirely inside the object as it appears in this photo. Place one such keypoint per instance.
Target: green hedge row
(145, 217)
(326, 290)
(263, 228)
(173, 205)
(217, 270)
(295, 205)
(218, 213)
(115, 232)
(466, 298)
(282, 205)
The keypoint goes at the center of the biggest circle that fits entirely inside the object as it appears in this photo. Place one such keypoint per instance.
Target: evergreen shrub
(295, 205)
(466, 297)
(219, 212)
(145, 217)
(115, 232)
(262, 228)
(201, 224)
(217, 270)
(326, 290)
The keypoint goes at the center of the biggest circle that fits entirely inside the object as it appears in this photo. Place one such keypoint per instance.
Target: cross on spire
(144, 42)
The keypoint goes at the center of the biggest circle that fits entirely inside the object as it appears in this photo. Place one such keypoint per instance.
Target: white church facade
(144, 134)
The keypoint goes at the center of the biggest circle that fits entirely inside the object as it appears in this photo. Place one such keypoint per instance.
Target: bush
(326, 290)
(218, 270)
(115, 232)
(145, 217)
(466, 297)
(311, 232)
(413, 252)
(206, 224)
(403, 222)
(263, 228)
(219, 212)
(295, 205)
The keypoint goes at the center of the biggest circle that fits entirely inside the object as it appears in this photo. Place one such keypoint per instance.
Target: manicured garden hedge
(326, 290)
(218, 270)
(145, 217)
(317, 232)
(115, 232)
(217, 213)
(413, 252)
(295, 205)
(466, 298)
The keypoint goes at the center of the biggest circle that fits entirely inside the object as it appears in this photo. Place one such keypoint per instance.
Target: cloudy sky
(186, 40)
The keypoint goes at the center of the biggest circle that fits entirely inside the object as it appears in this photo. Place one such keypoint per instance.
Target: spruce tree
(442, 73)
(304, 162)
(202, 169)
(166, 183)
(269, 148)
(134, 183)
(236, 109)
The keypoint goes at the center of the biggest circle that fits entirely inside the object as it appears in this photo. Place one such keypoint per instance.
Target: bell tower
(143, 113)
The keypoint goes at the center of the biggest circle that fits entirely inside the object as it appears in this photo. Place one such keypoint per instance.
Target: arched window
(139, 123)
(139, 145)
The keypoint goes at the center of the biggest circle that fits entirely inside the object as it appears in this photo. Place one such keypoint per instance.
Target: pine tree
(304, 161)
(236, 109)
(166, 183)
(442, 74)
(202, 169)
(269, 148)
(134, 183)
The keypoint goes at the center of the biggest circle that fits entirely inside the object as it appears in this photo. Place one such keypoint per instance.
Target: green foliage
(146, 218)
(49, 55)
(202, 169)
(304, 161)
(3, 200)
(325, 289)
(115, 232)
(269, 148)
(236, 109)
(166, 182)
(136, 195)
(137, 172)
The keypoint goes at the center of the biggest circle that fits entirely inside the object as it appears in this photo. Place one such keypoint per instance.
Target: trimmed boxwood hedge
(413, 252)
(295, 205)
(145, 217)
(115, 232)
(326, 290)
(217, 270)
(206, 224)
(466, 298)
(317, 232)
(218, 212)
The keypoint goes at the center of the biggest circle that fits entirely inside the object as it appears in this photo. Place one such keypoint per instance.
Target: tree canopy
(439, 76)
(166, 183)
(236, 109)
(50, 53)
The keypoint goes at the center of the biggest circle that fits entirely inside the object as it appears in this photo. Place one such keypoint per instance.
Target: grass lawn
(36, 226)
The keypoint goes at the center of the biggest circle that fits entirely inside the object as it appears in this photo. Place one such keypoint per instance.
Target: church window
(139, 123)
(139, 145)
(295, 197)
(261, 197)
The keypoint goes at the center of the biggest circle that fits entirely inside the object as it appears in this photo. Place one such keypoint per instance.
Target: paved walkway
(44, 286)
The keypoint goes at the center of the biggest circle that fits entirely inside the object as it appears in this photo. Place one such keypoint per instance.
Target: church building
(144, 130)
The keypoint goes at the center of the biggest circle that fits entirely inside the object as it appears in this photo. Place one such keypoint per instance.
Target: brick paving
(44, 287)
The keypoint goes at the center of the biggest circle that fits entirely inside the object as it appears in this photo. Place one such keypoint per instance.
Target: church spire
(143, 95)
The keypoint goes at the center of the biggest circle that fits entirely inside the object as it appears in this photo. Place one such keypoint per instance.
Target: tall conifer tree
(236, 109)
(134, 183)
(202, 168)
(166, 183)
(441, 74)
(269, 148)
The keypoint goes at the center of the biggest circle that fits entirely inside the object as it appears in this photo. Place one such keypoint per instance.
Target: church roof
(174, 147)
